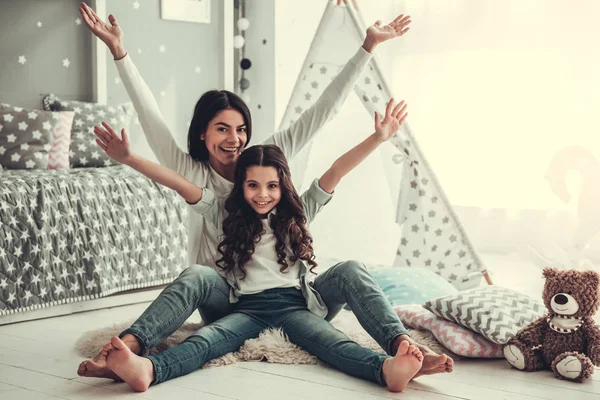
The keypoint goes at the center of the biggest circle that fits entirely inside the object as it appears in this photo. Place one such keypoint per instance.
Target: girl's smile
(261, 188)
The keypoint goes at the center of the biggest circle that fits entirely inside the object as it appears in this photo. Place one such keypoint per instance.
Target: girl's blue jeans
(230, 325)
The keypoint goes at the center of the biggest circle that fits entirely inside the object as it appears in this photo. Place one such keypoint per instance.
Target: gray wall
(170, 74)
(260, 49)
(44, 49)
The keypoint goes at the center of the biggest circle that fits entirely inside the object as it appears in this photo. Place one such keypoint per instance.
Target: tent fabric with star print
(431, 234)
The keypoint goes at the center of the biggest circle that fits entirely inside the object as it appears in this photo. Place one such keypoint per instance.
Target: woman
(220, 129)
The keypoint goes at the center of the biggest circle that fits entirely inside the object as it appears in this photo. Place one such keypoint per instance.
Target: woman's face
(225, 137)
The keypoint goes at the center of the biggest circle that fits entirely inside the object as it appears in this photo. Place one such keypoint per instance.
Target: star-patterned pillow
(25, 137)
(84, 151)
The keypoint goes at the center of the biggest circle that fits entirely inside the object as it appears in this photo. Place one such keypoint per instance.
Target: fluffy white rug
(272, 345)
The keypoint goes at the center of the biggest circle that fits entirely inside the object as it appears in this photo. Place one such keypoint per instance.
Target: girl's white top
(263, 268)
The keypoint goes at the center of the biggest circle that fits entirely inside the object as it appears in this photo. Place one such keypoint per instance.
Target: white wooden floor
(37, 361)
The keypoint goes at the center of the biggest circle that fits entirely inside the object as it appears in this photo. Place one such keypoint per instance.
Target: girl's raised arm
(384, 130)
(118, 149)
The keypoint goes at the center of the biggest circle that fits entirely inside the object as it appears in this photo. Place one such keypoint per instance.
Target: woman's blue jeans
(230, 325)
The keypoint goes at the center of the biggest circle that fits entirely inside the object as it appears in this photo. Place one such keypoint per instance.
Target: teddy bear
(566, 340)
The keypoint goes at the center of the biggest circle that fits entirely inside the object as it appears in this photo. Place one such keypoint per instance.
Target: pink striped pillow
(61, 140)
(454, 337)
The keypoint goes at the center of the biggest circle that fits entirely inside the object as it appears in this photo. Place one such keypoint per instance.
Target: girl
(267, 257)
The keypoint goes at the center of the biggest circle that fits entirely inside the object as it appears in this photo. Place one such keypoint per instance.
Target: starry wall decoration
(63, 66)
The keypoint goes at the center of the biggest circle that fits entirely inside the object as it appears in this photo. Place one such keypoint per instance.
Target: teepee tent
(431, 234)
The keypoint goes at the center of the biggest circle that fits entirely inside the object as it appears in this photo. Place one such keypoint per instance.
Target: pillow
(61, 140)
(456, 338)
(411, 285)
(84, 151)
(25, 137)
(495, 312)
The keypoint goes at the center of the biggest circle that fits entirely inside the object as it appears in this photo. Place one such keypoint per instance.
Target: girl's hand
(377, 33)
(394, 117)
(115, 147)
(111, 34)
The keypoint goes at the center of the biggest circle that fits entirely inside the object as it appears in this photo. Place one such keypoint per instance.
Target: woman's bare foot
(136, 371)
(96, 367)
(400, 369)
(433, 363)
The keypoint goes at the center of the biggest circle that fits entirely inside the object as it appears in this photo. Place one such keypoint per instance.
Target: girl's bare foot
(136, 371)
(96, 367)
(400, 369)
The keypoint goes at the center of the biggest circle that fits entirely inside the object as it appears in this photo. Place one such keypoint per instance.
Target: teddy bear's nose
(561, 299)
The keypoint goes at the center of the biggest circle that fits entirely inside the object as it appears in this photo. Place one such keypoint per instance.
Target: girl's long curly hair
(242, 228)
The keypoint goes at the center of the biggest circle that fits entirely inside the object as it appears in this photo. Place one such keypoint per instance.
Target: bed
(80, 234)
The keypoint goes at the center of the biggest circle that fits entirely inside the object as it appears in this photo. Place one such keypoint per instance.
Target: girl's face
(225, 137)
(261, 189)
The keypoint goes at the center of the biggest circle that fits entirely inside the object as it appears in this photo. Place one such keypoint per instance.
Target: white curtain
(502, 99)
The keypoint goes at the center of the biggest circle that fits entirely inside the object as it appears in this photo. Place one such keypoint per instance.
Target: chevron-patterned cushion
(495, 312)
(61, 140)
(454, 337)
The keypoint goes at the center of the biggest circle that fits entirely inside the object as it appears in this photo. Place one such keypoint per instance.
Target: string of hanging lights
(239, 42)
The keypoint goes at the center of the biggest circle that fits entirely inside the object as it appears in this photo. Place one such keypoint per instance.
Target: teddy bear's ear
(550, 272)
(592, 277)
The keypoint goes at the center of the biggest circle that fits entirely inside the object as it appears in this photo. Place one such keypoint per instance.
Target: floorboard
(37, 361)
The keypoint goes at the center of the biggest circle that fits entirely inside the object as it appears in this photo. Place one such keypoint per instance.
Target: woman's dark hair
(208, 106)
(242, 228)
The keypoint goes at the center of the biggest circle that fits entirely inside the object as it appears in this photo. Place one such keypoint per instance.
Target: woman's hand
(111, 34)
(115, 147)
(378, 33)
(394, 117)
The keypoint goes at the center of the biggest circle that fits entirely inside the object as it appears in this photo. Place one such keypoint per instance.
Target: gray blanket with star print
(78, 234)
